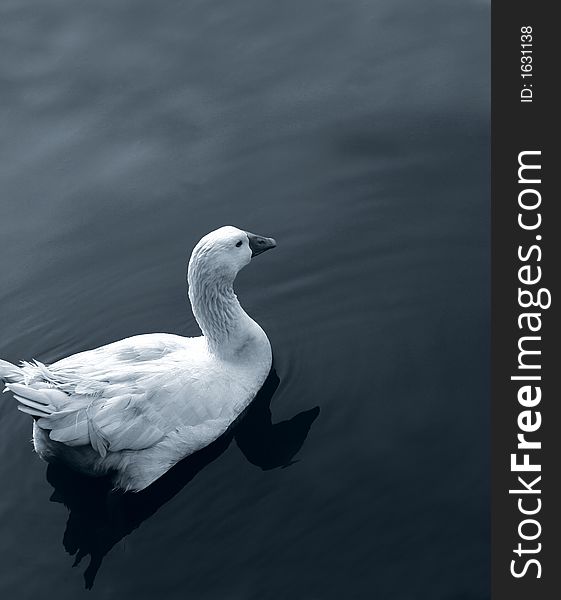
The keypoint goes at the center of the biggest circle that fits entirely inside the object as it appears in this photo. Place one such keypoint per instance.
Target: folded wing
(103, 398)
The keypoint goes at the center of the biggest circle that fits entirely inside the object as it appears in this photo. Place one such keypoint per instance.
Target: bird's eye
(239, 244)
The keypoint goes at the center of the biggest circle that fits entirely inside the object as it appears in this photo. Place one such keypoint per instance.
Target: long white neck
(224, 323)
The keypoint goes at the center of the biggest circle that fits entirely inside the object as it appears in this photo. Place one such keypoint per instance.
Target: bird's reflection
(99, 518)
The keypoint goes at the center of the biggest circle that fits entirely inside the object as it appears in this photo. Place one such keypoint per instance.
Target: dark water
(356, 134)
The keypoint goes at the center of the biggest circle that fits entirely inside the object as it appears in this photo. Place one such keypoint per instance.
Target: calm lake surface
(355, 133)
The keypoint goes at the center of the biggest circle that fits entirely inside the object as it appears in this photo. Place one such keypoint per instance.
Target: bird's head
(222, 253)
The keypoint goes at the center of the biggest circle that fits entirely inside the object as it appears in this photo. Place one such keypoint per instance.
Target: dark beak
(259, 244)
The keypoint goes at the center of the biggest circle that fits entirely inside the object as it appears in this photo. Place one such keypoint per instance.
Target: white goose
(136, 407)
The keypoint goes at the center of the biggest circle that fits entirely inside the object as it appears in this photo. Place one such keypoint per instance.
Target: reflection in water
(99, 518)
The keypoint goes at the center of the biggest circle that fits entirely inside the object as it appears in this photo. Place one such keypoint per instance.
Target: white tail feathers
(9, 372)
(36, 402)
(31, 401)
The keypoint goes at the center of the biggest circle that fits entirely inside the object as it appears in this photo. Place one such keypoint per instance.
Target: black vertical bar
(525, 119)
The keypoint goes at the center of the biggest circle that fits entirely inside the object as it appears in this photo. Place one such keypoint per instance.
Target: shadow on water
(99, 518)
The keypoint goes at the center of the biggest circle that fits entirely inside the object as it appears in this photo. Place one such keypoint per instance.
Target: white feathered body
(139, 405)
(136, 407)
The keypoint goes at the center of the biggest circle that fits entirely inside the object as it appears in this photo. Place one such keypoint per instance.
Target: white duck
(136, 407)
